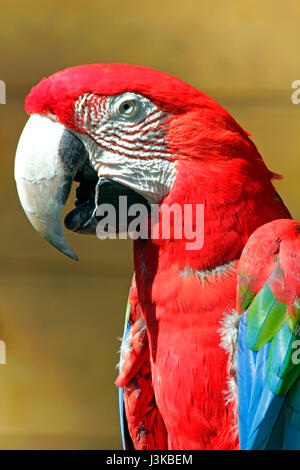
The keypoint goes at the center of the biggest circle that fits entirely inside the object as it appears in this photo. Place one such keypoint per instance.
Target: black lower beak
(84, 218)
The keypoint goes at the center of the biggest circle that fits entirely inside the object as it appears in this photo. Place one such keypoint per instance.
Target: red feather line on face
(145, 139)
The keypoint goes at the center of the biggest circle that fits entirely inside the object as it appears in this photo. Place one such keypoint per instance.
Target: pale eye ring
(128, 108)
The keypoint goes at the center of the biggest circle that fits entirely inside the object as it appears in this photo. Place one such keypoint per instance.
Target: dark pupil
(126, 106)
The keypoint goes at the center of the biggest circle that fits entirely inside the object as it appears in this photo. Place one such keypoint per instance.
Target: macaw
(209, 356)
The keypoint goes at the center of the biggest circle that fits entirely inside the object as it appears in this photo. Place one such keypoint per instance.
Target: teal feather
(265, 317)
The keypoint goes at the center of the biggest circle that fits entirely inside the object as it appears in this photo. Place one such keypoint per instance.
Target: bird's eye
(128, 108)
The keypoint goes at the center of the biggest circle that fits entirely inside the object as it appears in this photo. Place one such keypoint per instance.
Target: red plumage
(277, 242)
(175, 372)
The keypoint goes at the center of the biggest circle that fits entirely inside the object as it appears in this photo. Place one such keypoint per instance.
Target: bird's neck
(233, 202)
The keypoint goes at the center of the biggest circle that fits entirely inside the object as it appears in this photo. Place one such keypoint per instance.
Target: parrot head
(129, 130)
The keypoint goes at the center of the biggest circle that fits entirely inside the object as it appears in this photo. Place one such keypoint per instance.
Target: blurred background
(60, 319)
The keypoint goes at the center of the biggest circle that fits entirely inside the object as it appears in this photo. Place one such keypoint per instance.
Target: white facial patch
(38, 144)
(125, 136)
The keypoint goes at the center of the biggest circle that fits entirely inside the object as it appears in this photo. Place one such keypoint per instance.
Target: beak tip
(65, 251)
(74, 257)
(63, 248)
(71, 255)
(52, 232)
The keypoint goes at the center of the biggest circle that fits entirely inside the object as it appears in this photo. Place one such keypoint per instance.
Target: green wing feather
(270, 320)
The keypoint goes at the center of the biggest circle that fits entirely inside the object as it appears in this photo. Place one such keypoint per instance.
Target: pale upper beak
(44, 178)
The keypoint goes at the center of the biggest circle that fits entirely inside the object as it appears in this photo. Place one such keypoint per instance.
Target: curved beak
(44, 173)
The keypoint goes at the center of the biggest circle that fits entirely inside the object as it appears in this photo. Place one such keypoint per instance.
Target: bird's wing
(141, 423)
(268, 355)
(126, 439)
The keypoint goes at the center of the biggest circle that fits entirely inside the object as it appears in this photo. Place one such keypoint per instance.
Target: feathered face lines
(125, 136)
(126, 124)
(130, 125)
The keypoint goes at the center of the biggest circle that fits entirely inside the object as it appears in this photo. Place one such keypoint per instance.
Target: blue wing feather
(266, 420)
(123, 422)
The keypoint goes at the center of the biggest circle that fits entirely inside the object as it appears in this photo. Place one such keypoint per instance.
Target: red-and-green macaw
(209, 357)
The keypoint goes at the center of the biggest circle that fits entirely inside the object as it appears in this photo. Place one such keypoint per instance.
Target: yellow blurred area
(59, 319)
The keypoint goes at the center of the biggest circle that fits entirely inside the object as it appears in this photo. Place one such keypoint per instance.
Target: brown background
(60, 319)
